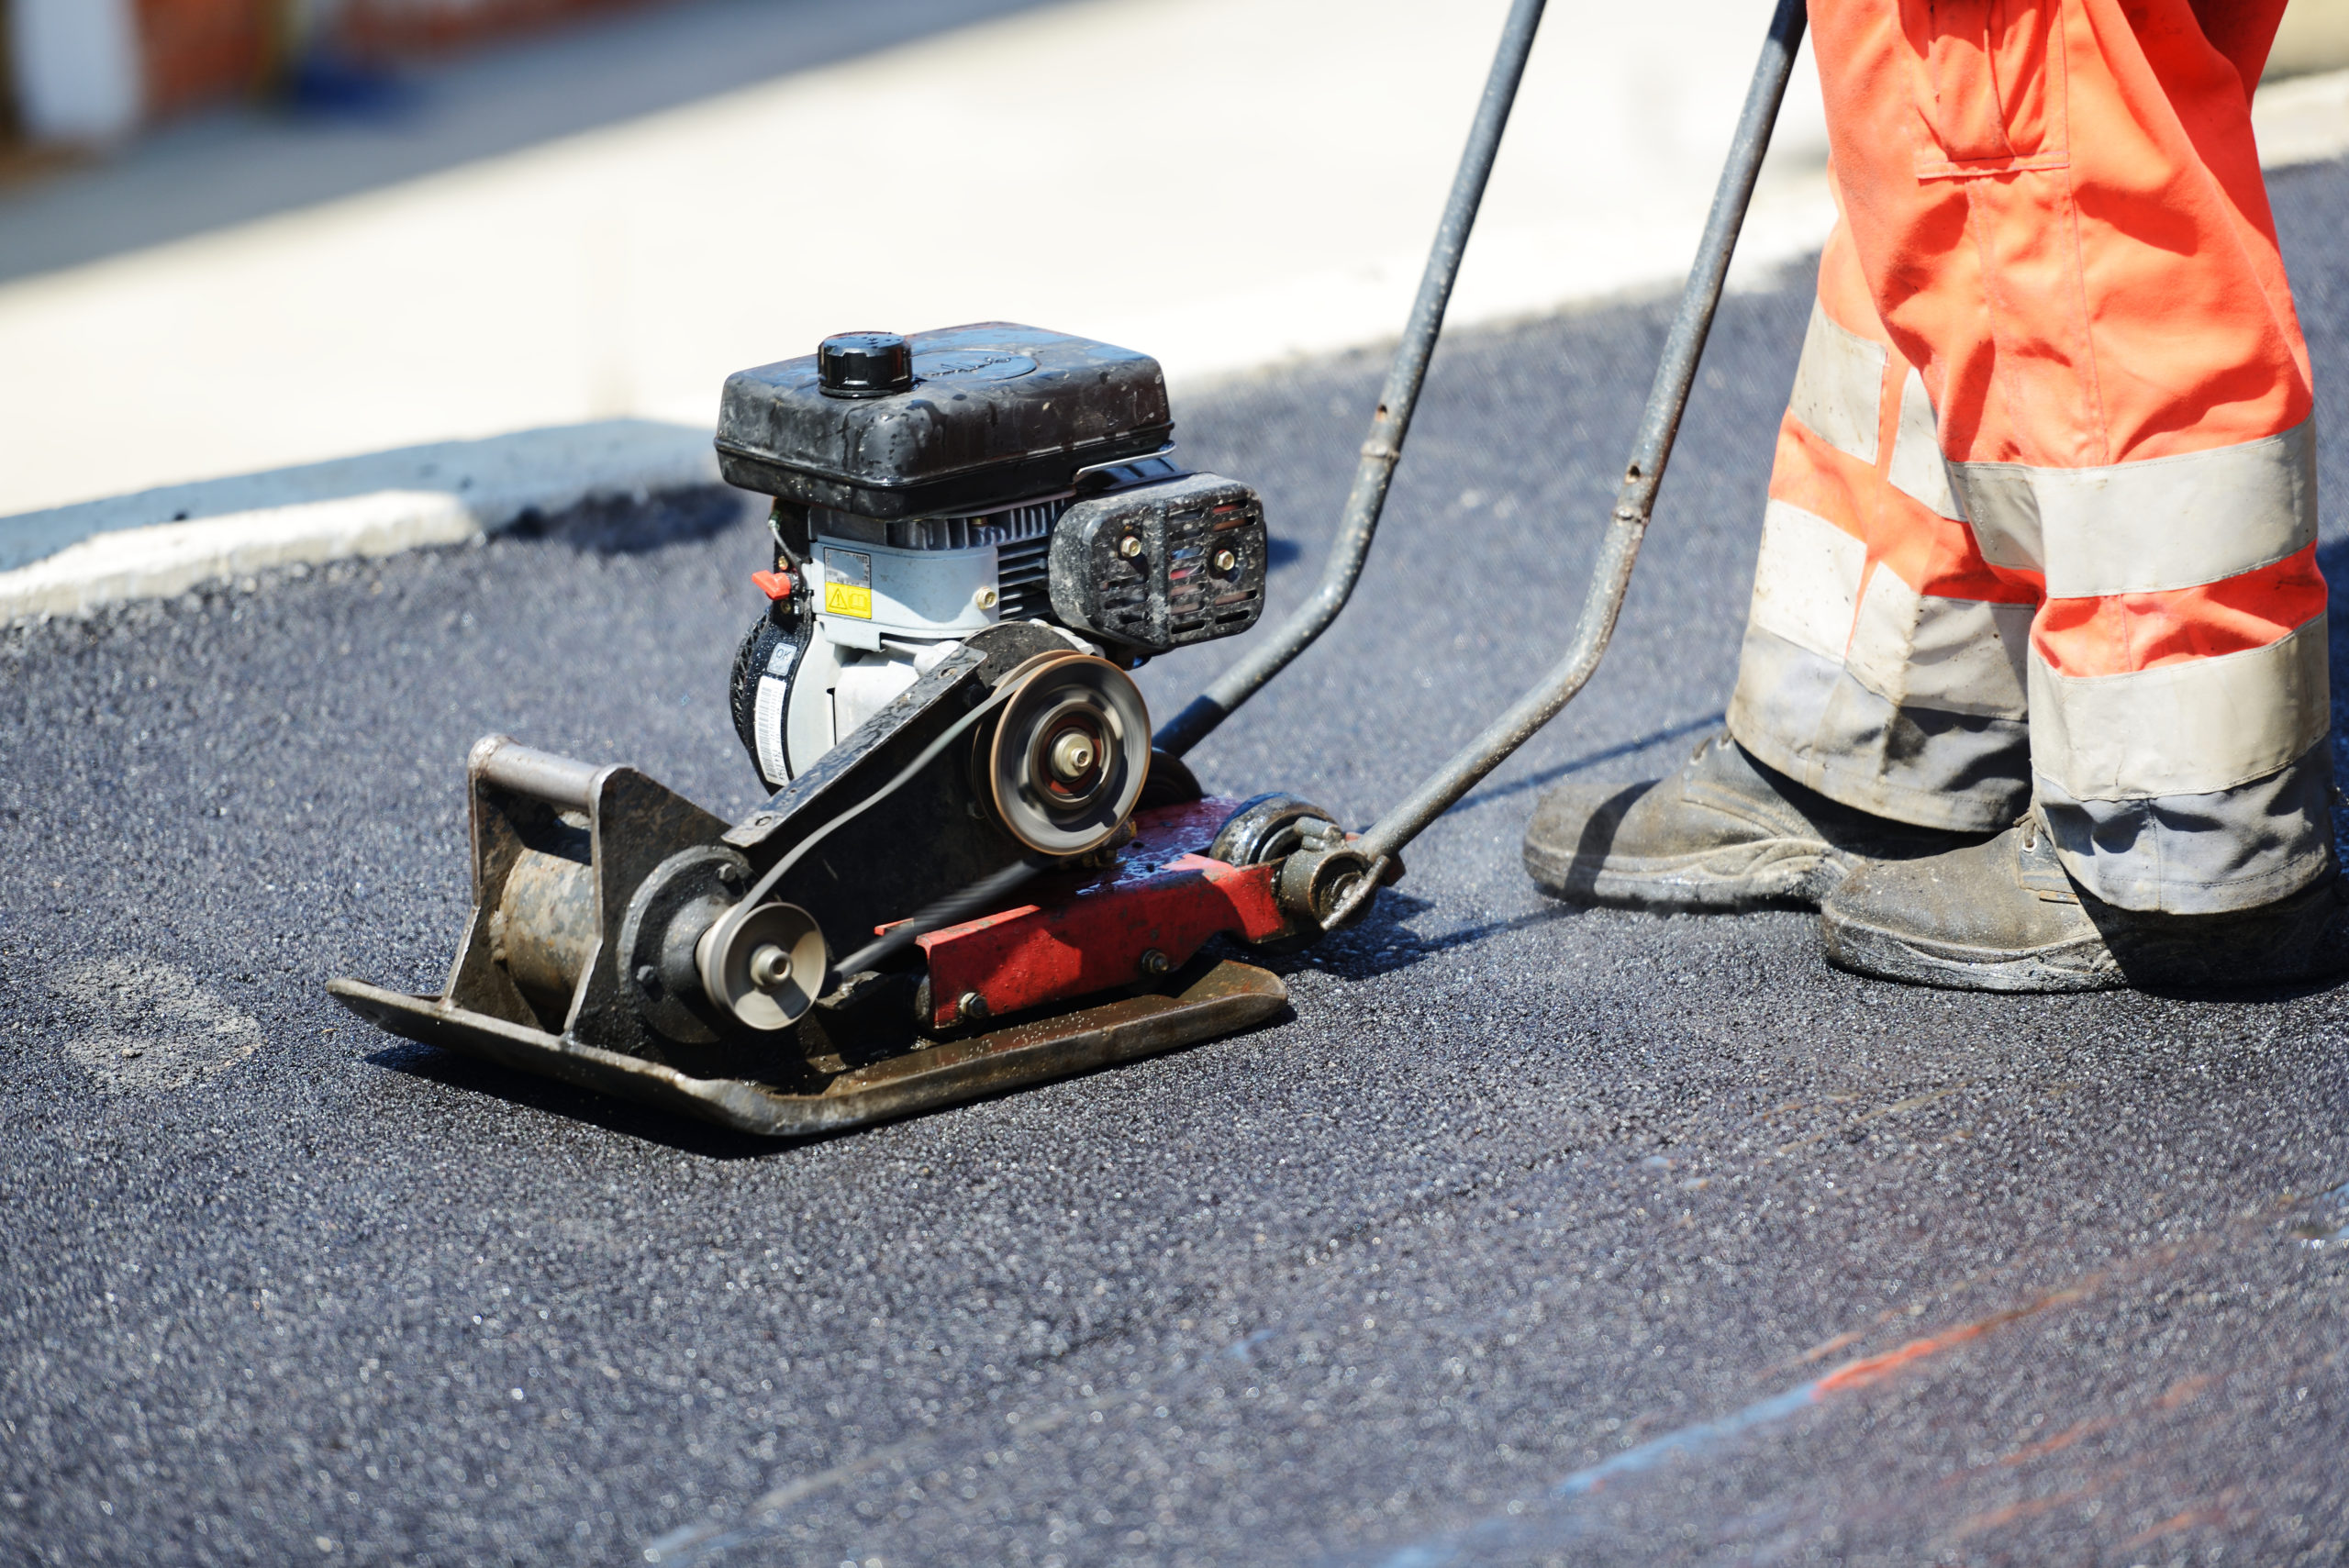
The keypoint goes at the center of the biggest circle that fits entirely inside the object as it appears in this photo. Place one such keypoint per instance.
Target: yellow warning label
(847, 584)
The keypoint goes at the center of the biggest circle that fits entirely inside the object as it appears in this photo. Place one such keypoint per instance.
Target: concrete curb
(71, 561)
(2302, 120)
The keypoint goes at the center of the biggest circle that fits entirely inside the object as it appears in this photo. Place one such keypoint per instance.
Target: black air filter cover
(1155, 566)
(998, 414)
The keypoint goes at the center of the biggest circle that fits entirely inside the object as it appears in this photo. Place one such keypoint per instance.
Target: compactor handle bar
(1392, 422)
(1642, 475)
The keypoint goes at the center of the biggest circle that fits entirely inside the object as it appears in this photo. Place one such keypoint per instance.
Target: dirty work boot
(1725, 832)
(2004, 916)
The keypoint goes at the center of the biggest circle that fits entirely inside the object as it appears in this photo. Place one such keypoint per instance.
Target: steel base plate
(1199, 1003)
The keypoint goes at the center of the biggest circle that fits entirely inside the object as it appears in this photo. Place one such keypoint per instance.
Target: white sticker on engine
(766, 719)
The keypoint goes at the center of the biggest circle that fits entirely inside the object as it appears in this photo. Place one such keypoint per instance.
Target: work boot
(2004, 916)
(1725, 832)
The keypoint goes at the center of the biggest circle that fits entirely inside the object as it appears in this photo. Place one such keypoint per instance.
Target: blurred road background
(607, 223)
(601, 219)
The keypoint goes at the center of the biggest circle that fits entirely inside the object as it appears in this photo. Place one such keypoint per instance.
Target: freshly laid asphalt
(1531, 1235)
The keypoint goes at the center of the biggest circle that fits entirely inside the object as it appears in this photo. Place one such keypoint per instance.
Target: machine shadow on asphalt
(527, 1091)
(626, 524)
(1384, 945)
(1420, 950)
(686, 1135)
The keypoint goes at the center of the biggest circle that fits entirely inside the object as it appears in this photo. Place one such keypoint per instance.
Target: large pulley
(1065, 761)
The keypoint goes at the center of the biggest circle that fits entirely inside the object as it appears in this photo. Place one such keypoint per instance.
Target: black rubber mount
(1266, 828)
(1171, 783)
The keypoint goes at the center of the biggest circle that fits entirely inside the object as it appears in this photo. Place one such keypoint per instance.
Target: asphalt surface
(1531, 1236)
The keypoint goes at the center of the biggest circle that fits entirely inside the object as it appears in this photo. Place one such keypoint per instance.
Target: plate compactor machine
(978, 868)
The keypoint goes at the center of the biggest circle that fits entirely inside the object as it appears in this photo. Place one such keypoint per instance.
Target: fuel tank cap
(864, 364)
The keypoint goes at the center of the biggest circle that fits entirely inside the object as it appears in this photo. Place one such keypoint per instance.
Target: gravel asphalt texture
(1530, 1235)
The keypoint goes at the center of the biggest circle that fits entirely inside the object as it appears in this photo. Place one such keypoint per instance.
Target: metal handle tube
(1651, 450)
(984, 897)
(1384, 449)
(540, 775)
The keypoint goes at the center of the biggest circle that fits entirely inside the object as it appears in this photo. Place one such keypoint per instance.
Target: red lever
(774, 584)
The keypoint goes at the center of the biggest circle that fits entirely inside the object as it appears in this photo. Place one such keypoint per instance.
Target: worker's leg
(1883, 662)
(1880, 709)
(2059, 214)
(2112, 352)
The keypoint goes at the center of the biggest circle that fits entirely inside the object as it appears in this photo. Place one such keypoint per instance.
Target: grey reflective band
(2200, 855)
(1918, 470)
(1811, 719)
(2192, 728)
(1807, 580)
(2142, 528)
(1839, 387)
(1957, 655)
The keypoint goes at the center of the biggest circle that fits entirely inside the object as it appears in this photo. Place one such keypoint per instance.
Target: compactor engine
(930, 486)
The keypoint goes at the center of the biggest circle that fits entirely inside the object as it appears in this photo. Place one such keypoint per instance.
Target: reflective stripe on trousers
(2042, 521)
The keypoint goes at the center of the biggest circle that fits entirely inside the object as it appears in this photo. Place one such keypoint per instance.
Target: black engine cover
(999, 414)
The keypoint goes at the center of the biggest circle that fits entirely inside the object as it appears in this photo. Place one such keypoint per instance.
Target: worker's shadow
(1385, 944)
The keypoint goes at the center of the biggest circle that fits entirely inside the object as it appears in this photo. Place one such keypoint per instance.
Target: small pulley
(764, 964)
(1065, 763)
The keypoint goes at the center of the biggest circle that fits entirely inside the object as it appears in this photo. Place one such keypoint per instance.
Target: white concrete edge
(2302, 120)
(77, 559)
(161, 542)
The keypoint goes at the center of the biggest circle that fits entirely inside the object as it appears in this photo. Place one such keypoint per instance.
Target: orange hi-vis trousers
(2042, 531)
